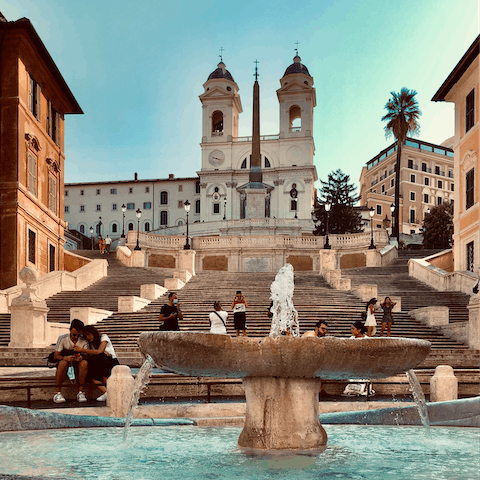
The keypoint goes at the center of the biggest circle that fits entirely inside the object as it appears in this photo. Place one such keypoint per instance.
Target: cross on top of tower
(221, 54)
(256, 74)
(297, 43)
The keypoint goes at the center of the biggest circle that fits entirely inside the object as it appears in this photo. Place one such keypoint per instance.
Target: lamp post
(124, 209)
(371, 212)
(91, 236)
(392, 209)
(328, 206)
(187, 209)
(139, 214)
(225, 208)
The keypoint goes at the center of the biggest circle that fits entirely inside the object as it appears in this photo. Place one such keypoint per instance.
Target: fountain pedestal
(282, 413)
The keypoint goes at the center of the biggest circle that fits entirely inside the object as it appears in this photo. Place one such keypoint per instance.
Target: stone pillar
(474, 322)
(443, 384)
(328, 260)
(28, 315)
(255, 203)
(138, 258)
(186, 261)
(282, 413)
(373, 258)
(119, 390)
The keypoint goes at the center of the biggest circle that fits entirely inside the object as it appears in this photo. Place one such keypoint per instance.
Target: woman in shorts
(239, 307)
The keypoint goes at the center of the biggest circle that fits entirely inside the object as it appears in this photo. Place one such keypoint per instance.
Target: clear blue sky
(137, 70)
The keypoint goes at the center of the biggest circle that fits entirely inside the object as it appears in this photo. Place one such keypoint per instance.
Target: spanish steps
(313, 299)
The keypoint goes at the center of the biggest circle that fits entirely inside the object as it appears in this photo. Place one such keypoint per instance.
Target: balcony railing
(262, 138)
(217, 134)
(295, 129)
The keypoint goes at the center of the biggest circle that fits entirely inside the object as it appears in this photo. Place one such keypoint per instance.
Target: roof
(25, 25)
(458, 71)
(221, 72)
(112, 182)
(296, 67)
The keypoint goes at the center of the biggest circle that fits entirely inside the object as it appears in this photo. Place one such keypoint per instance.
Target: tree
(341, 194)
(402, 118)
(438, 227)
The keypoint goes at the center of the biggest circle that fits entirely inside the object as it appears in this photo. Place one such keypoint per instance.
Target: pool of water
(353, 452)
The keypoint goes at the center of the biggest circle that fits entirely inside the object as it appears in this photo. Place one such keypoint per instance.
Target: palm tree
(402, 118)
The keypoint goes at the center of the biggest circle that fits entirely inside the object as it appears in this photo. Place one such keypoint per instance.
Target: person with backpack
(218, 320)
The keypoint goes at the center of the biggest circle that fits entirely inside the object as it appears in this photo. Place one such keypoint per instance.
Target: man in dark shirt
(170, 313)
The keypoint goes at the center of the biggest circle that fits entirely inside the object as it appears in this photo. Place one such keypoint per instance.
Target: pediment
(217, 93)
(295, 87)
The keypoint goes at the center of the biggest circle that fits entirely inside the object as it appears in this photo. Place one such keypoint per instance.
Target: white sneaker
(59, 398)
(81, 397)
(102, 398)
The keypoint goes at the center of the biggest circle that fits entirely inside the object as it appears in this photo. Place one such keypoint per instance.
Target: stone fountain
(281, 374)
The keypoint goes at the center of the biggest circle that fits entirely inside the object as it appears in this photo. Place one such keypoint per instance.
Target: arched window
(244, 163)
(82, 229)
(130, 226)
(163, 217)
(114, 228)
(295, 119)
(267, 163)
(98, 228)
(147, 226)
(164, 198)
(217, 122)
(180, 223)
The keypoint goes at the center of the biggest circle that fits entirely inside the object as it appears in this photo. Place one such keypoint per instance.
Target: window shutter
(31, 93)
(56, 126)
(37, 101)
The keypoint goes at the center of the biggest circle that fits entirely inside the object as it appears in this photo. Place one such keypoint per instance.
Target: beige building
(462, 88)
(426, 180)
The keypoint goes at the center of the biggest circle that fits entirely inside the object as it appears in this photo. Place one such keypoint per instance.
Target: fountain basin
(205, 354)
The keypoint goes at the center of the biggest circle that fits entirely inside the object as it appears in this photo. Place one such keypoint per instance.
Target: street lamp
(225, 208)
(371, 212)
(187, 209)
(328, 206)
(392, 209)
(139, 214)
(91, 236)
(124, 209)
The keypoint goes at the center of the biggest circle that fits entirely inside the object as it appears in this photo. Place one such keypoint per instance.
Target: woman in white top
(102, 358)
(218, 320)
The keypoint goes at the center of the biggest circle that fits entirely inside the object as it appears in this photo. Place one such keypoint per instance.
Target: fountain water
(419, 397)
(281, 375)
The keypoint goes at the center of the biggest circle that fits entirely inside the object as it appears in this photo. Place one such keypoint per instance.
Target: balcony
(374, 182)
(262, 138)
(217, 134)
(295, 129)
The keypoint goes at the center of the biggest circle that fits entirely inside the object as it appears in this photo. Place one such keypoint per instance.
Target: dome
(221, 72)
(296, 67)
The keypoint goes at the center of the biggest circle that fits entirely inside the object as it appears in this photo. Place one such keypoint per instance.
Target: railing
(262, 138)
(383, 177)
(295, 129)
(392, 171)
(217, 134)
(450, 175)
(374, 182)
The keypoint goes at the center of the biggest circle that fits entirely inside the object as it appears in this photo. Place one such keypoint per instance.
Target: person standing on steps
(370, 321)
(108, 242)
(387, 320)
(101, 245)
(239, 307)
(170, 314)
(218, 320)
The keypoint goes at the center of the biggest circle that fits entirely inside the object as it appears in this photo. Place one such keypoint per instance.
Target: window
(130, 189)
(34, 98)
(130, 206)
(267, 163)
(82, 229)
(113, 191)
(99, 208)
(52, 194)
(82, 208)
(425, 198)
(147, 205)
(244, 163)
(98, 192)
(217, 122)
(163, 217)
(98, 228)
(180, 188)
(470, 256)
(410, 164)
(412, 178)
(412, 216)
(114, 206)
(81, 192)
(412, 196)
(469, 190)
(450, 174)
(197, 206)
(379, 209)
(66, 193)
(147, 189)
(114, 228)
(437, 170)
(216, 208)
(392, 182)
(439, 184)
(470, 111)
(147, 226)
(53, 122)
(180, 204)
(452, 187)
(439, 200)
(130, 226)
(66, 209)
(164, 198)
(383, 188)
(31, 246)
(427, 181)
(32, 174)
(293, 205)
(424, 167)
(51, 258)
(197, 187)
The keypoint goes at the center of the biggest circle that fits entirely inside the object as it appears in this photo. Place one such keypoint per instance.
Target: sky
(137, 70)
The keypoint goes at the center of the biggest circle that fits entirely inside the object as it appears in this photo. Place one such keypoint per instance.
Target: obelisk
(255, 190)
